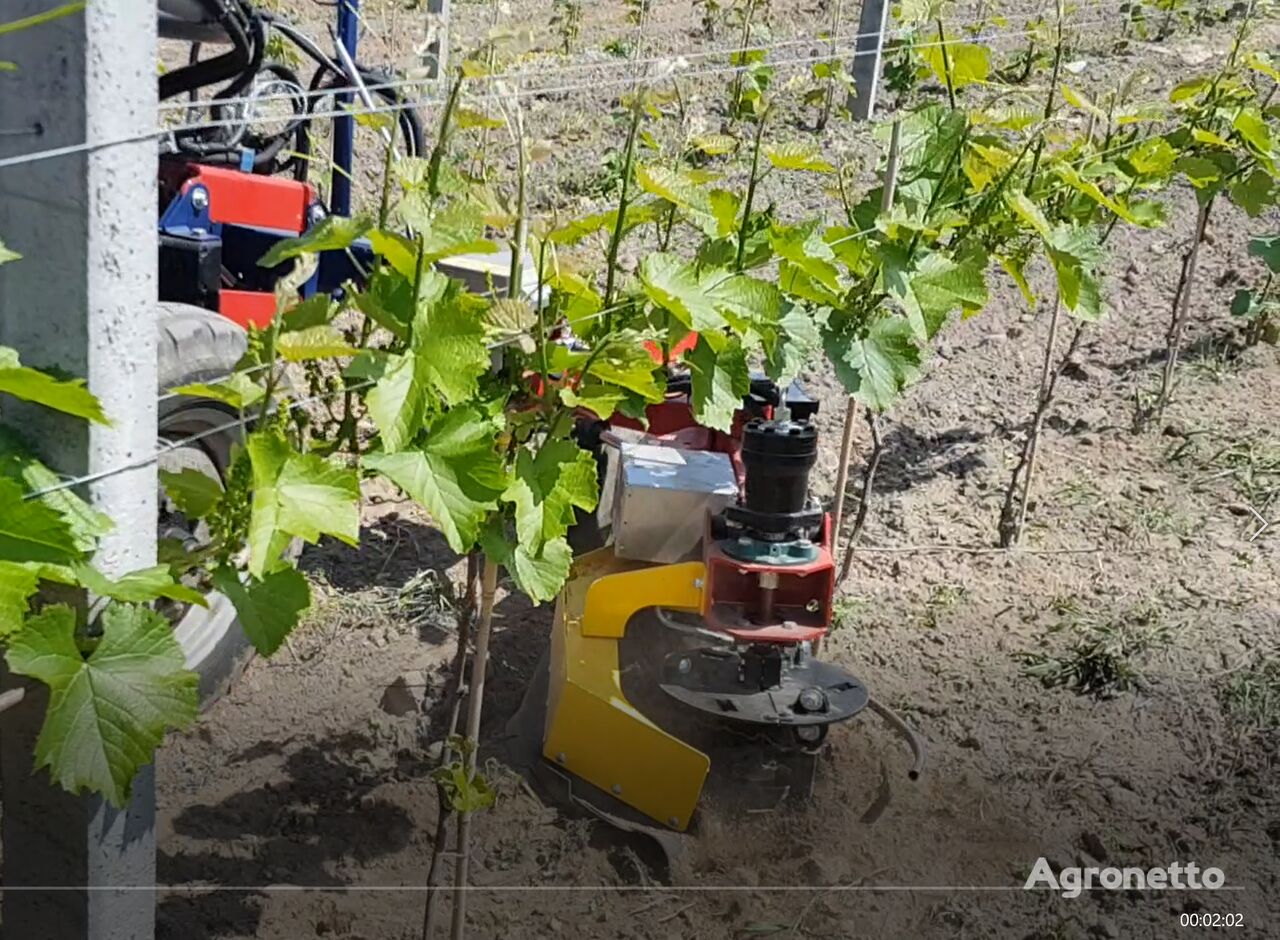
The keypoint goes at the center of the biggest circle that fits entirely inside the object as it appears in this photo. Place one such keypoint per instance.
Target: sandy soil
(298, 779)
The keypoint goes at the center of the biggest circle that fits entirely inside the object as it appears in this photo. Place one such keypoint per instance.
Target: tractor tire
(198, 345)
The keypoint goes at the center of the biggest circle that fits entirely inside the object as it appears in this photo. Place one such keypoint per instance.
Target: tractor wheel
(198, 345)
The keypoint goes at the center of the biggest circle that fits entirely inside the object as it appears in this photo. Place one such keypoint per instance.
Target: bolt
(673, 822)
(684, 666)
(697, 584)
(617, 789)
(199, 198)
(560, 758)
(316, 214)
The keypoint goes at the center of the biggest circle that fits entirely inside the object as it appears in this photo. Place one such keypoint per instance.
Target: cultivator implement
(691, 634)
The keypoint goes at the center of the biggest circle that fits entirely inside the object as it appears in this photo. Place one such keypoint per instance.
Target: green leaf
(449, 345)
(1252, 126)
(447, 354)
(790, 345)
(547, 487)
(966, 63)
(714, 145)
(510, 321)
(1254, 193)
(388, 301)
(454, 230)
(934, 287)
(876, 366)
(398, 402)
(804, 247)
(796, 155)
(269, 607)
(1244, 305)
(1201, 172)
(296, 495)
(1268, 249)
(31, 531)
(193, 492)
(1154, 157)
(463, 793)
(397, 250)
(720, 379)
(313, 342)
(540, 575)
(68, 396)
(136, 587)
(237, 390)
(1075, 254)
(17, 583)
(108, 713)
(457, 475)
(19, 464)
(8, 254)
(316, 310)
(332, 233)
(678, 187)
(679, 288)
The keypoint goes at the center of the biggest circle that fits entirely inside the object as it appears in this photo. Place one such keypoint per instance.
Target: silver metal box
(662, 498)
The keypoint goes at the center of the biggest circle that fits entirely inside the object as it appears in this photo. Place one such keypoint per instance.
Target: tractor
(703, 584)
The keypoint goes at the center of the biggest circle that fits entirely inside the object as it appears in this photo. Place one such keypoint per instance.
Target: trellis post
(867, 52)
(83, 299)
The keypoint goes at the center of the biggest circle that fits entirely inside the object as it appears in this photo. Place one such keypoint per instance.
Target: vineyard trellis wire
(495, 97)
(436, 419)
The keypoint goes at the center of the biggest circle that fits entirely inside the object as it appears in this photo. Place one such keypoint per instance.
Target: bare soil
(297, 807)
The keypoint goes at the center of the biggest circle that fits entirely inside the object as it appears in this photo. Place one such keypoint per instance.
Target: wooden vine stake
(475, 706)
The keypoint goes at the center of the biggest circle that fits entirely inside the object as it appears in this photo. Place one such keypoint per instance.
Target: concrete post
(83, 299)
(437, 55)
(866, 60)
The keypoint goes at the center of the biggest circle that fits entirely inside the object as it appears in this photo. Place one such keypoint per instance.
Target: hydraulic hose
(914, 741)
(233, 21)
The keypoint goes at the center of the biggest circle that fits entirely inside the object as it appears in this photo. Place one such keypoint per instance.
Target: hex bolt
(560, 758)
(199, 198)
(316, 214)
(617, 789)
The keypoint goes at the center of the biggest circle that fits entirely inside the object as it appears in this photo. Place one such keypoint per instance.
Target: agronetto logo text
(1177, 876)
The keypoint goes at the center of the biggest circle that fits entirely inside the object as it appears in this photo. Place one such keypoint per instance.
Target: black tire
(198, 345)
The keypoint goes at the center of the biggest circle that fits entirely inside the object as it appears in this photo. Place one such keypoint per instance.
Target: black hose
(233, 21)
(409, 123)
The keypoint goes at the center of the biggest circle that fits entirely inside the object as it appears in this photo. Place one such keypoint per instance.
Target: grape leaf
(456, 475)
(298, 495)
(313, 342)
(965, 63)
(68, 396)
(19, 464)
(193, 492)
(236, 390)
(876, 366)
(1075, 254)
(136, 587)
(1268, 249)
(316, 310)
(31, 531)
(109, 712)
(680, 289)
(17, 583)
(547, 487)
(540, 575)
(796, 155)
(933, 287)
(804, 247)
(332, 233)
(268, 607)
(720, 379)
